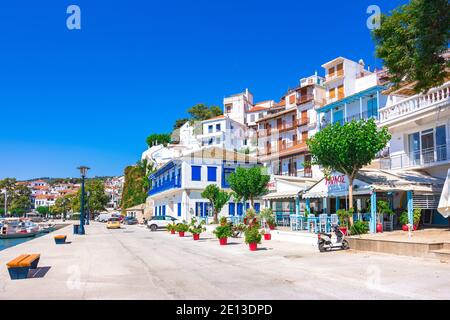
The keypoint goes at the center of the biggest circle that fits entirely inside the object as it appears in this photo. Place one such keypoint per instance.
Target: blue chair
(323, 222)
(334, 219)
(294, 222)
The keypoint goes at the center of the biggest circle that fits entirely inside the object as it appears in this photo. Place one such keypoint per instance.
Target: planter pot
(181, 233)
(379, 228)
(223, 241)
(196, 236)
(405, 227)
(253, 246)
(172, 231)
(267, 236)
(60, 240)
(415, 227)
(344, 230)
(272, 227)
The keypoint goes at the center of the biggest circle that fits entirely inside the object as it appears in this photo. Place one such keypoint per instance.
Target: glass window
(441, 144)
(414, 147)
(196, 173)
(252, 118)
(218, 127)
(210, 129)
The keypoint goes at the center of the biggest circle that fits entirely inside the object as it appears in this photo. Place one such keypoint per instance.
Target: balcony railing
(435, 97)
(166, 185)
(281, 148)
(304, 98)
(423, 158)
(334, 75)
(303, 121)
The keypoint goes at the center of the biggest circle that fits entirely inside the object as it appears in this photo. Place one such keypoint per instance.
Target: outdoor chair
(388, 223)
(323, 222)
(334, 219)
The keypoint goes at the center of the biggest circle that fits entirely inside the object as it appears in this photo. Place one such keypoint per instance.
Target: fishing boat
(17, 228)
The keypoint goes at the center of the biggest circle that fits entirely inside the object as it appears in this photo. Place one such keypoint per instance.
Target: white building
(237, 105)
(177, 186)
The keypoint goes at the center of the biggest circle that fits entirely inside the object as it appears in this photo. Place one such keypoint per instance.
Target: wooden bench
(60, 239)
(18, 267)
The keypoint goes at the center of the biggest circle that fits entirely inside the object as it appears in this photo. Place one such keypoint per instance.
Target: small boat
(12, 229)
(47, 228)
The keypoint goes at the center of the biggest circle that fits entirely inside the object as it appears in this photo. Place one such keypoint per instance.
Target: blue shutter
(212, 173)
(196, 173)
(257, 207)
(240, 208)
(164, 210)
(247, 206)
(231, 209)
(179, 209)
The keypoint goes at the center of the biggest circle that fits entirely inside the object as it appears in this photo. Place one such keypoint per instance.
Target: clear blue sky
(92, 96)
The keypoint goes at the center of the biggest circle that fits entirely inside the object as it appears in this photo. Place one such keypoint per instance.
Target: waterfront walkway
(134, 263)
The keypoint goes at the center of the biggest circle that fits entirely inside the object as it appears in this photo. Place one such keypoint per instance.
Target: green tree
(43, 210)
(347, 148)
(218, 198)
(97, 199)
(62, 205)
(411, 42)
(249, 183)
(158, 138)
(21, 199)
(201, 112)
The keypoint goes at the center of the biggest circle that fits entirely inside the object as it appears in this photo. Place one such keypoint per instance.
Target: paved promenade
(134, 263)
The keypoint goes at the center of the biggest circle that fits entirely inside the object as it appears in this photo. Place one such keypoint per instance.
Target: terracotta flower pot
(223, 241)
(267, 236)
(379, 227)
(181, 233)
(253, 246)
(404, 227)
(196, 236)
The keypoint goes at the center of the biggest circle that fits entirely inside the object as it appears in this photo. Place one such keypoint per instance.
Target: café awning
(369, 180)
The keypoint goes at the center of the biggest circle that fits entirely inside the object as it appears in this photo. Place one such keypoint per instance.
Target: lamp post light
(83, 172)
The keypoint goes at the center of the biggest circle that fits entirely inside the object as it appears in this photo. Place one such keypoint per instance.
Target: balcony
(166, 185)
(416, 104)
(424, 158)
(287, 126)
(335, 75)
(303, 122)
(304, 98)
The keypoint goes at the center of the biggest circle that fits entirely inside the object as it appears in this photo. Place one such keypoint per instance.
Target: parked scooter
(327, 242)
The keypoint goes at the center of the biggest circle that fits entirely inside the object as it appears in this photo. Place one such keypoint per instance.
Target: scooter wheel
(345, 245)
(321, 247)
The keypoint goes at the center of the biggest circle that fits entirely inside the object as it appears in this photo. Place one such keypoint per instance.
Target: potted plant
(343, 220)
(382, 208)
(196, 228)
(268, 217)
(181, 228)
(171, 227)
(223, 221)
(223, 232)
(252, 238)
(417, 213)
(266, 234)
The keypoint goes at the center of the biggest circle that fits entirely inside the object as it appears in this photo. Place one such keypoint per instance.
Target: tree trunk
(350, 199)
(251, 202)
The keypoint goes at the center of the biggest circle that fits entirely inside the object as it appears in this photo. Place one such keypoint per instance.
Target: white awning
(444, 202)
(281, 195)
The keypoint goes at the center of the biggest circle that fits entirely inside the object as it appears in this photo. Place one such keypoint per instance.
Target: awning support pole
(337, 203)
(297, 205)
(373, 212)
(308, 205)
(409, 197)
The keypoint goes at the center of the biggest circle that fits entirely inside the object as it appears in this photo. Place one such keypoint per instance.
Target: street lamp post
(83, 171)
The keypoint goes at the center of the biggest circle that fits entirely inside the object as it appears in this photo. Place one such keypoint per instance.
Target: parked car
(104, 217)
(113, 223)
(160, 222)
(130, 220)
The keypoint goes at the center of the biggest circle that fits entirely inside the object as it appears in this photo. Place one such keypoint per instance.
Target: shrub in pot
(196, 228)
(359, 227)
(344, 216)
(171, 227)
(238, 229)
(417, 213)
(251, 220)
(268, 217)
(252, 237)
(181, 228)
(223, 221)
(223, 232)
(382, 209)
(266, 234)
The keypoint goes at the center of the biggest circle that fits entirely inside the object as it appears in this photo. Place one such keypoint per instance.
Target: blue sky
(92, 96)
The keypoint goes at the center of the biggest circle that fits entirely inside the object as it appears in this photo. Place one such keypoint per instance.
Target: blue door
(338, 116)
(231, 209)
(257, 207)
(179, 209)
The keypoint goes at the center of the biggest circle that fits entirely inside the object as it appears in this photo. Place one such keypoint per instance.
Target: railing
(287, 126)
(167, 185)
(334, 75)
(303, 121)
(281, 147)
(425, 157)
(434, 97)
(304, 98)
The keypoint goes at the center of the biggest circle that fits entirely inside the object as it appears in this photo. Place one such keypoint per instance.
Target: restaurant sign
(336, 182)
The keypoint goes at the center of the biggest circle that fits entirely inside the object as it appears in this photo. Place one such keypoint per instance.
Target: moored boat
(17, 228)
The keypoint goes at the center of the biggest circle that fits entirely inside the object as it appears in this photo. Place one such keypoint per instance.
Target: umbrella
(444, 202)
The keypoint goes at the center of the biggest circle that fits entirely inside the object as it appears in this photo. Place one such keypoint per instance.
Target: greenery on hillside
(136, 185)
(411, 42)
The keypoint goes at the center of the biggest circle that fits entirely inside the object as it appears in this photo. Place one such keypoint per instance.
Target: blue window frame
(240, 209)
(212, 173)
(372, 108)
(218, 127)
(196, 172)
(231, 209)
(179, 209)
(225, 174)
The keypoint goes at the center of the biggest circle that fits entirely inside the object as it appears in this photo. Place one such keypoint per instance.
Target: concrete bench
(18, 267)
(60, 239)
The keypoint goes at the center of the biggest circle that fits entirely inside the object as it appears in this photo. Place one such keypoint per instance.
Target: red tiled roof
(257, 108)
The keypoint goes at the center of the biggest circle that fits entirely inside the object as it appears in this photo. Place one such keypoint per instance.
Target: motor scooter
(327, 241)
